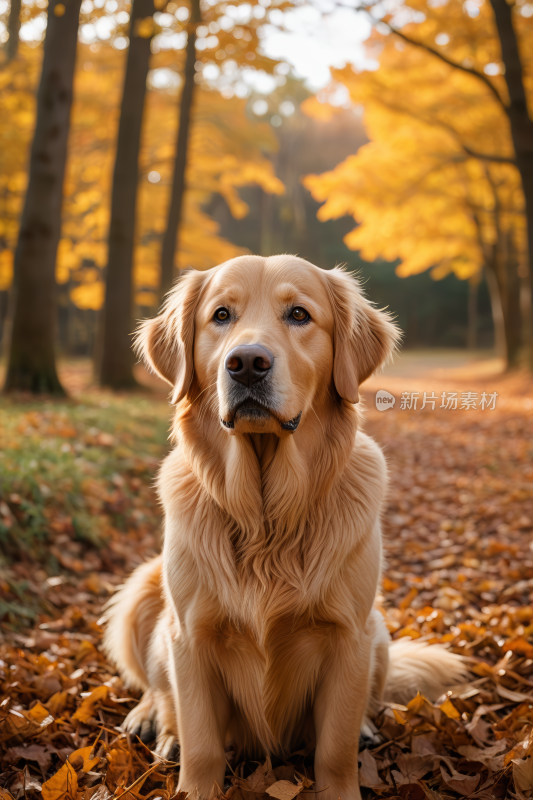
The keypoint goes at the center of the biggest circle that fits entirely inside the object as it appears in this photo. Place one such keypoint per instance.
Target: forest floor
(78, 512)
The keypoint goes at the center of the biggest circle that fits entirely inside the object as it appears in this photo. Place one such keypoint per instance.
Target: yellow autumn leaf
(61, 786)
(449, 709)
(81, 759)
(89, 704)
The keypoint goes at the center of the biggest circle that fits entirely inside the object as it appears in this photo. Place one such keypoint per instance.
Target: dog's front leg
(338, 710)
(203, 711)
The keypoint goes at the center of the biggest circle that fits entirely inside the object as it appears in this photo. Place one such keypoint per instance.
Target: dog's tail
(418, 667)
(131, 618)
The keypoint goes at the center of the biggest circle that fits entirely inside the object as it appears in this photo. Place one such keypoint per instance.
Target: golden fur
(256, 624)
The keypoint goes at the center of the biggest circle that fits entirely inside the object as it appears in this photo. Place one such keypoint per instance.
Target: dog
(256, 625)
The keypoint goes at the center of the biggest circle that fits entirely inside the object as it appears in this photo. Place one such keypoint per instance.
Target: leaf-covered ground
(78, 512)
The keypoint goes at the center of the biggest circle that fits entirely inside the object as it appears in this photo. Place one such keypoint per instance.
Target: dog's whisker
(208, 402)
(318, 418)
(203, 390)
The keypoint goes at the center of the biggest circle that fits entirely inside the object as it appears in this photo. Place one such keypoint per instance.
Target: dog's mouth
(252, 412)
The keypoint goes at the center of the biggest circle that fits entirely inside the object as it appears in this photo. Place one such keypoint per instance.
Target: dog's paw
(368, 735)
(167, 747)
(141, 721)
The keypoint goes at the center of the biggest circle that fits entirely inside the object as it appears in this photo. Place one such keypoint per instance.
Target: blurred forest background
(139, 139)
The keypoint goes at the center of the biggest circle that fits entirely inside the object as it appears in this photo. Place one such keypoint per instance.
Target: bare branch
(489, 156)
(469, 70)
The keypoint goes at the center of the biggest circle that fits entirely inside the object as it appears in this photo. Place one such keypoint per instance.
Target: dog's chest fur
(253, 595)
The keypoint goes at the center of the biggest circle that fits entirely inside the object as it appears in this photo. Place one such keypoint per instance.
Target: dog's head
(270, 338)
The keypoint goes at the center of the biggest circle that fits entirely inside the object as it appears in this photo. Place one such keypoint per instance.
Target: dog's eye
(299, 314)
(222, 315)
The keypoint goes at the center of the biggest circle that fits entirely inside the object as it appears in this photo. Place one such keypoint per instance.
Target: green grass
(76, 479)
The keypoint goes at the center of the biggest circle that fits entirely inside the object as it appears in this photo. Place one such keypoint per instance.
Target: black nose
(249, 363)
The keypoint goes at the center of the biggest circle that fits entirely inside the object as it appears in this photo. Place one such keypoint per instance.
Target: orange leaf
(88, 706)
(521, 646)
(389, 585)
(39, 713)
(64, 784)
(81, 759)
(449, 709)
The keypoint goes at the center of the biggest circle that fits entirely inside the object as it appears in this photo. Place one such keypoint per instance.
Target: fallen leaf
(89, 704)
(523, 773)
(515, 697)
(458, 782)
(449, 709)
(284, 790)
(412, 767)
(81, 759)
(64, 784)
(486, 755)
(368, 771)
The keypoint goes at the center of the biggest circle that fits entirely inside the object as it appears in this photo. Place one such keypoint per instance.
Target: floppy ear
(363, 337)
(165, 343)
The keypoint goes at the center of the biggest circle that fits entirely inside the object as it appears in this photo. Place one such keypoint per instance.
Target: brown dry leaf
(462, 784)
(284, 790)
(88, 706)
(259, 780)
(34, 752)
(5, 795)
(523, 774)
(515, 697)
(412, 768)
(368, 771)
(490, 756)
(478, 729)
(64, 784)
(25, 724)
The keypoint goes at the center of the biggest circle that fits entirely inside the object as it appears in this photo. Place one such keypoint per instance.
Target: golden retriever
(256, 625)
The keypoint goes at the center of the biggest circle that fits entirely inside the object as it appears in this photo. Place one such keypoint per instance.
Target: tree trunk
(175, 209)
(473, 286)
(500, 344)
(512, 315)
(31, 364)
(116, 356)
(520, 122)
(13, 29)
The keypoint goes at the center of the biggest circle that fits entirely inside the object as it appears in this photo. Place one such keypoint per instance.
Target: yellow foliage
(315, 108)
(226, 153)
(418, 191)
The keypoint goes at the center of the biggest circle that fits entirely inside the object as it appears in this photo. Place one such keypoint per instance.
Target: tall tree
(175, 209)
(237, 40)
(116, 357)
(13, 29)
(416, 192)
(31, 361)
(497, 36)
(521, 125)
